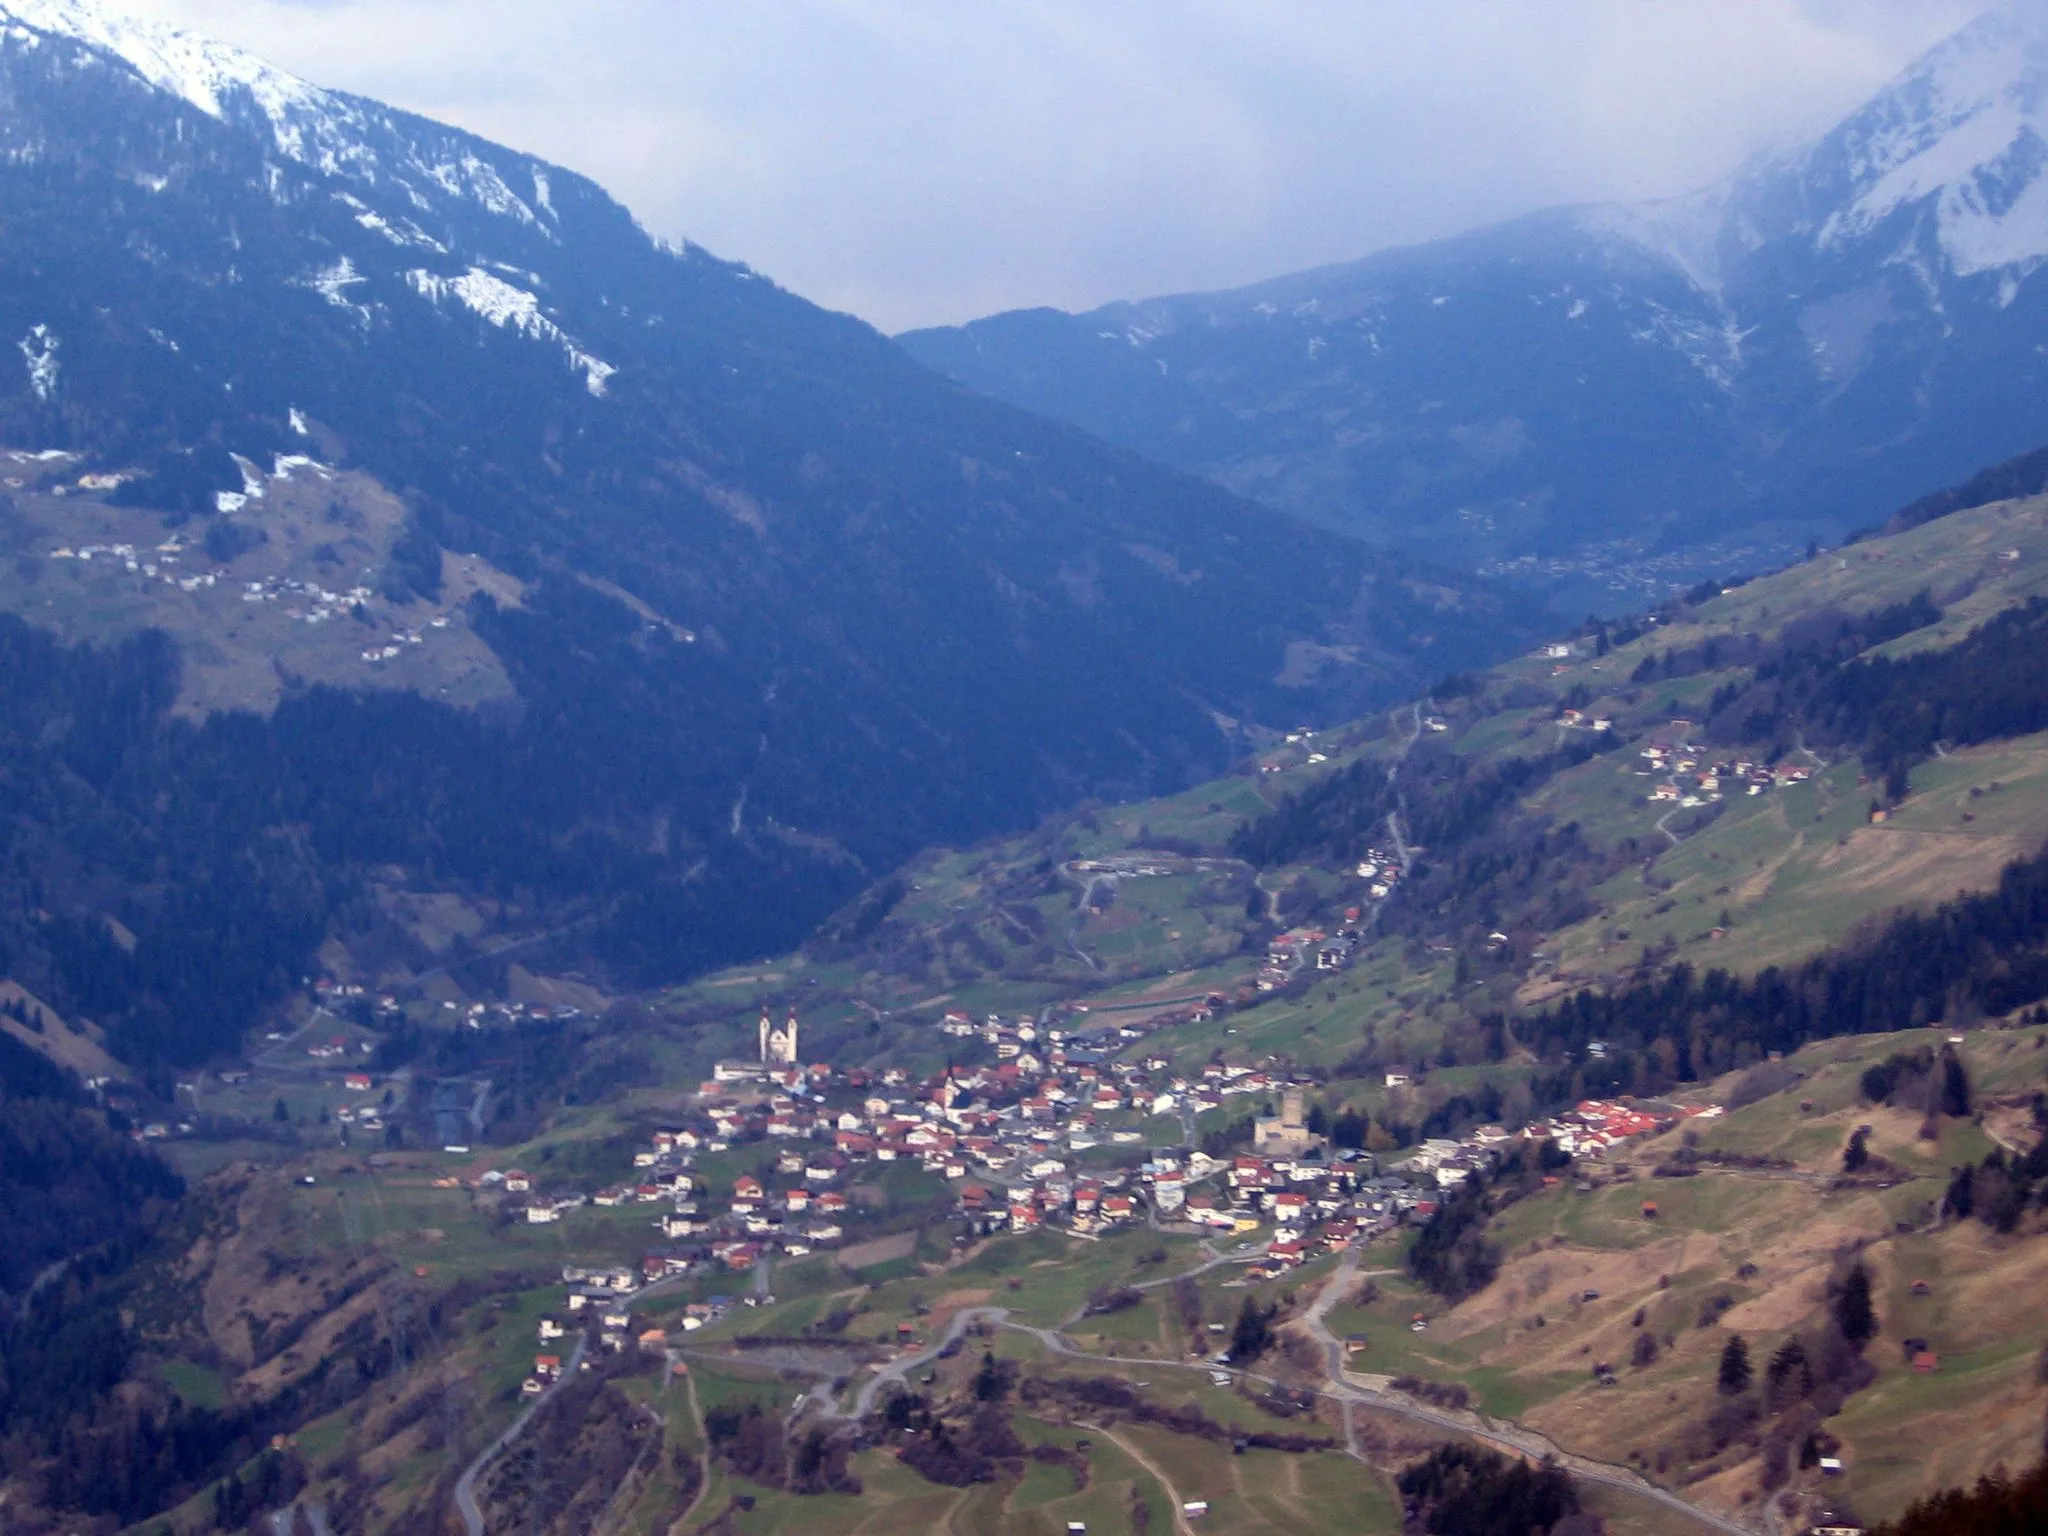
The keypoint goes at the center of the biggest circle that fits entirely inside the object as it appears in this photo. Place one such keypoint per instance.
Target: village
(1693, 780)
(195, 565)
(1012, 1139)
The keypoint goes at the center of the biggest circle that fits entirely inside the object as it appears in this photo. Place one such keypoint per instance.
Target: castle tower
(1290, 1109)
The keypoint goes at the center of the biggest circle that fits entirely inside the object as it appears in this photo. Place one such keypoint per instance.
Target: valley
(1080, 1102)
(627, 907)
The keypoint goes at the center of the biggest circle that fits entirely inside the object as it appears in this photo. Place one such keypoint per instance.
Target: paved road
(465, 1485)
(1341, 1385)
(1513, 1437)
(897, 1371)
(1343, 1388)
(894, 1373)
(1510, 1437)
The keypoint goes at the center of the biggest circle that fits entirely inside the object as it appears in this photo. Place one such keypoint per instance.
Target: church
(778, 1046)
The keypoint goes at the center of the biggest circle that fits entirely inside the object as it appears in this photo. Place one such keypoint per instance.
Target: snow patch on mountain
(403, 233)
(39, 351)
(510, 308)
(333, 283)
(1683, 232)
(472, 177)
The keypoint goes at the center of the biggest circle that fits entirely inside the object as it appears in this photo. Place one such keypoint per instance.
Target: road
(897, 1371)
(1511, 1437)
(1505, 1433)
(894, 1373)
(1272, 900)
(1180, 1519)
(465, 1485)
(1340, 1386)
(703, 1460)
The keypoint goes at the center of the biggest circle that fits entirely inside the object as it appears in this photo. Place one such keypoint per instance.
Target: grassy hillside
(1521, 864)
(1780, 873)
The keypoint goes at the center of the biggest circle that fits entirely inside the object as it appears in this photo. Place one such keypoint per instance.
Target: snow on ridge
(334, 134)
(197, 69)
(1685, 232)
(1965, 126)
(510, 308)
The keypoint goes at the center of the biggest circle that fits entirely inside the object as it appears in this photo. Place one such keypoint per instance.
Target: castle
(778, 1046)
(1285, 1133)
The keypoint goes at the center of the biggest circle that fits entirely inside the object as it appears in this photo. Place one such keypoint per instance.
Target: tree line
(1984, 954)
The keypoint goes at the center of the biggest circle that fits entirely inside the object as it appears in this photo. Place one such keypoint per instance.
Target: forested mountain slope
(1600, 397)
(760, 605)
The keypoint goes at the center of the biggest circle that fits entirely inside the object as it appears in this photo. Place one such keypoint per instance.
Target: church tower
(778, 1046)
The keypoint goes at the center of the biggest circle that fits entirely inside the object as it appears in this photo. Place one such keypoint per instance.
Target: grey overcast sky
(925, 161)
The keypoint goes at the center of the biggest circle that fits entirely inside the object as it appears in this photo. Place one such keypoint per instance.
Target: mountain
(1611, 395)
(663, 602)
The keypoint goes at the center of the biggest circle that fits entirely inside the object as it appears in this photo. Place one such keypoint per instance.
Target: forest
(1490, 864)
(1978, 955)
(1466, 1490)
(68, 1181)
(228, 850)
(1999, 1505)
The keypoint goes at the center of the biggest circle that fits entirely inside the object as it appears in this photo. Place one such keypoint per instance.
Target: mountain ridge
(1608, 397)
(886, 612)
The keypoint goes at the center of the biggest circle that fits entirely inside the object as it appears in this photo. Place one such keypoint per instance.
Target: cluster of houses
(310, 602)
(305, 602)
(495, 1015)
(1305, 752)
(602, 1296)
(1010, 1137)
(150, 564)
(1381, 869)
(1591, 1127)
(1694, 780)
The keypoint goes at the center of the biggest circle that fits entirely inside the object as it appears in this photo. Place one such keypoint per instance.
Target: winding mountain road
(1506, 1434)
(465, 1485)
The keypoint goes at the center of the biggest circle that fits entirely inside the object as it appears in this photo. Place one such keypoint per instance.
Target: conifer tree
(1854, 1313)
(1735, 1373)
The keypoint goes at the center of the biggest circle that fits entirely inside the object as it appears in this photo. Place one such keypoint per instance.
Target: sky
(922, 162)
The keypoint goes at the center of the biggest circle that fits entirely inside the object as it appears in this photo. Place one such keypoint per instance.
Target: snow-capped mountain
(788, 606)
(423, 195)
(1710, 379)
(1949, 159)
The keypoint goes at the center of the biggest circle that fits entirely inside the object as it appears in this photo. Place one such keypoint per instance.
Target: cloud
(916, 161)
